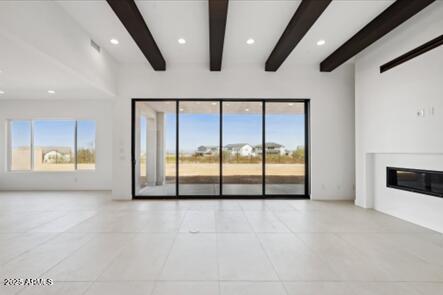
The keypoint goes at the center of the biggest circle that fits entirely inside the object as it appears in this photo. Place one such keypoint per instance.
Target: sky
(195, 130)
(20, 133)
(203, 129)
(57, 133)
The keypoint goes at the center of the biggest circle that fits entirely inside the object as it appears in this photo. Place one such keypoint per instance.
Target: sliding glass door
(220, 148)
(154, 148)
(285, 148)
(242, 168)
(199, 142)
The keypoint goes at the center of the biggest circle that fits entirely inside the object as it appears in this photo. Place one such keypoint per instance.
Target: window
(20, 145)
(85, 145)
(54, 145)
(51, 145)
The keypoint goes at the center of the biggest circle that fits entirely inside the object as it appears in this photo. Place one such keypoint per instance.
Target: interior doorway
(220, 148)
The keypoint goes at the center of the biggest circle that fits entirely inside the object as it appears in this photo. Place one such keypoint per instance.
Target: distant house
(242, 149)
(271, 148)
(54, 156)
(206, 150)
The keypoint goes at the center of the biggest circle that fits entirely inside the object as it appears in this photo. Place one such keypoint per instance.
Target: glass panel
(437, 183)
(411, 179)
(155, 148)
(20, 153)
(54, 146)
(85, 145)
(285, 148)
(199, 144)
(242, 135)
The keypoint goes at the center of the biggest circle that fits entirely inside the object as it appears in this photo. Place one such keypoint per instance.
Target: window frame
(307, 136)
(32, 123)
(76, 144)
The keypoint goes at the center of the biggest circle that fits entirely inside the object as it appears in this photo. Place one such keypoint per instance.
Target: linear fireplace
(415, 180)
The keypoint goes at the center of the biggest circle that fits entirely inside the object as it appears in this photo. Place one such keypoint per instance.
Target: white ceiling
(97, 18)
(263, 21)
(27, 72)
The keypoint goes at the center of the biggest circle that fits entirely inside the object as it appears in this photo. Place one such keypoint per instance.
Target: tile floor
(91, 245)
(228, 189)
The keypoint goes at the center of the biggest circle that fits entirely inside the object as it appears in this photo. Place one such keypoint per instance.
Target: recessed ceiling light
(246, 110)
(250, 41)
(114, 41)
(214, 103)
(290, 104)
(321, 42)
(51, 91)
(181, 41)
(181, 110)
(2, 92)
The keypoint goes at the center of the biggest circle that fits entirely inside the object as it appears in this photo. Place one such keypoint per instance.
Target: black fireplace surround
(415, 180)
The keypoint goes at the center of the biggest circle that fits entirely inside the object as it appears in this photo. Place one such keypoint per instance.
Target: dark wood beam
(218, 12)
(434, 43)
(304, 17)
(132, 19)
(389, 19)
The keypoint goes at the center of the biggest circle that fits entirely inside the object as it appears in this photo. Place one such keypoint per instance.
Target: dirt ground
(62, 167)
(212, 169)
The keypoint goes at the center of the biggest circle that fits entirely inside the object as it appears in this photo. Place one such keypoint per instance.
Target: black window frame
(305, 101)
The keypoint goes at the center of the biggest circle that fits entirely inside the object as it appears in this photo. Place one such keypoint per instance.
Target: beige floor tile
(186, 288)
(121, 288)
(252, 288)
(231, 222)
(347, 262)
(398, 264)
(65, 288)
(319, 288)
(241, 257)
(265, 222)
(88, 243)
(293, 260)
(163, 221)
(192, 257)
(88, 262)
(65, 222)
(40, 259)
(142, 258)
(198, 221)
(11, 247)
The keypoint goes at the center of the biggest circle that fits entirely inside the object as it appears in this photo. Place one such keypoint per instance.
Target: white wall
(100, 111)
(417, 208)
(48, 30)
(386, 107)
(332, 113)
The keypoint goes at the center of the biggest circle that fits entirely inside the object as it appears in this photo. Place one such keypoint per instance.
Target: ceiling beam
(389, 19)
(434, 43)
(218, 12)
(132, 19)
(304, 17)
